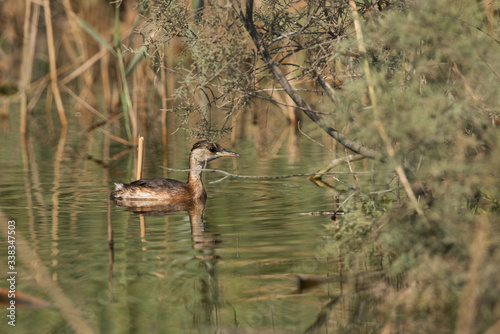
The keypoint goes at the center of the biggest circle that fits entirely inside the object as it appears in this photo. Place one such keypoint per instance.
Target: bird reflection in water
(161, 196)
(148, 197)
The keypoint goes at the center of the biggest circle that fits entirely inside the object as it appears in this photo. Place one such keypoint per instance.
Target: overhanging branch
(247, 21)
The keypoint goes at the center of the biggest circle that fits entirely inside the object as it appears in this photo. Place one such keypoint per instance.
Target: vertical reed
(30, 31)
(128, 111)
(52, 62)
(376, 117)
(164, 106)
(139, 158)
(105, 82)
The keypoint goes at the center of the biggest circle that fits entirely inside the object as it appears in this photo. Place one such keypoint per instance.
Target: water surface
(240, 274)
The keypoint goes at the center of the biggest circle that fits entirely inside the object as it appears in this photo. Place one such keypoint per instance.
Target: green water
(161, 278)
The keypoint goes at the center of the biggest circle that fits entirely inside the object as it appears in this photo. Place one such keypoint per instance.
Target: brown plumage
(172, 190)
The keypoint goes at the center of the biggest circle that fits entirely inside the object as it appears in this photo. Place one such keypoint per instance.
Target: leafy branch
(248, 22)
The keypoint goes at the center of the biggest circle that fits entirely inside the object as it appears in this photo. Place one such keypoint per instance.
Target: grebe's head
(205, 151)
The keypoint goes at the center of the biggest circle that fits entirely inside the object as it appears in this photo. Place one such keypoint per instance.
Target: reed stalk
(48, 110)
(164, 106)
(105, 82)
(376, 116)
(52, 62)
(125, 93)
(42, 85)
(82, 102)
(140, 154)
(30, 31)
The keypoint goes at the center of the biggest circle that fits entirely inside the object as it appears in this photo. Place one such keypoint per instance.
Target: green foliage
(167, 20)
(216, 61)
(436, 71)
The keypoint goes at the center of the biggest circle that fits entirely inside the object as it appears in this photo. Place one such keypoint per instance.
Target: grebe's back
(173, 190)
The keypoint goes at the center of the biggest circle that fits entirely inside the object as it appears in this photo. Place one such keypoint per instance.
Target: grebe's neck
(194, 176)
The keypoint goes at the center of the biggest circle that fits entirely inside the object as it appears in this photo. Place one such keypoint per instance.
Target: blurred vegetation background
(417, 82)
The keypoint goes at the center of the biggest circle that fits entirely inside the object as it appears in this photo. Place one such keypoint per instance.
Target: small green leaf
(138, 56)
(95, 35)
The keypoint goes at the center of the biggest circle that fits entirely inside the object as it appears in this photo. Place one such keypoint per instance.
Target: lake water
(237, 273)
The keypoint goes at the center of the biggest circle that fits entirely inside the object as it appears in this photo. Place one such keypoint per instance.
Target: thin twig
(337, 211)
(352, 171)
(260, 177)
(314, 141)
(83, 102)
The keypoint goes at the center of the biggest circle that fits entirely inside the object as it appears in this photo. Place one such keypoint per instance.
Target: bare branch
(294, 95)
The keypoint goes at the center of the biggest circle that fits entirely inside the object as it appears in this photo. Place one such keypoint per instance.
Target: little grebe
(173, 190)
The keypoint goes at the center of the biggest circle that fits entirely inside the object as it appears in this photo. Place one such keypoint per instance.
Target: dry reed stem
(48, 109)
(105, 82)
(139, 158)
(495, 329)
(40, 81)
(30, 31)
(163, 95)
(469, 300)
(381, 130)
(467, 86)
(489, 16)
(120, 154)
(115, 138)
(38, 92)
(52, 62)
(84, 66)
(83, 102)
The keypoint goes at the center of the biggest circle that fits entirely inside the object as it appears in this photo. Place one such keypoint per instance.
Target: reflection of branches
(322, 317)
(247, 20)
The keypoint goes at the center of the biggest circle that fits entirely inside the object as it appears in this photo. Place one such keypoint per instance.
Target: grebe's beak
(226, 153)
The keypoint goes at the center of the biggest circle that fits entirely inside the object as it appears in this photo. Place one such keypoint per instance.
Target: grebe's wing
(157, 183)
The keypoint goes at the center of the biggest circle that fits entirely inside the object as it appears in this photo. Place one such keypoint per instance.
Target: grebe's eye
(212, 149)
